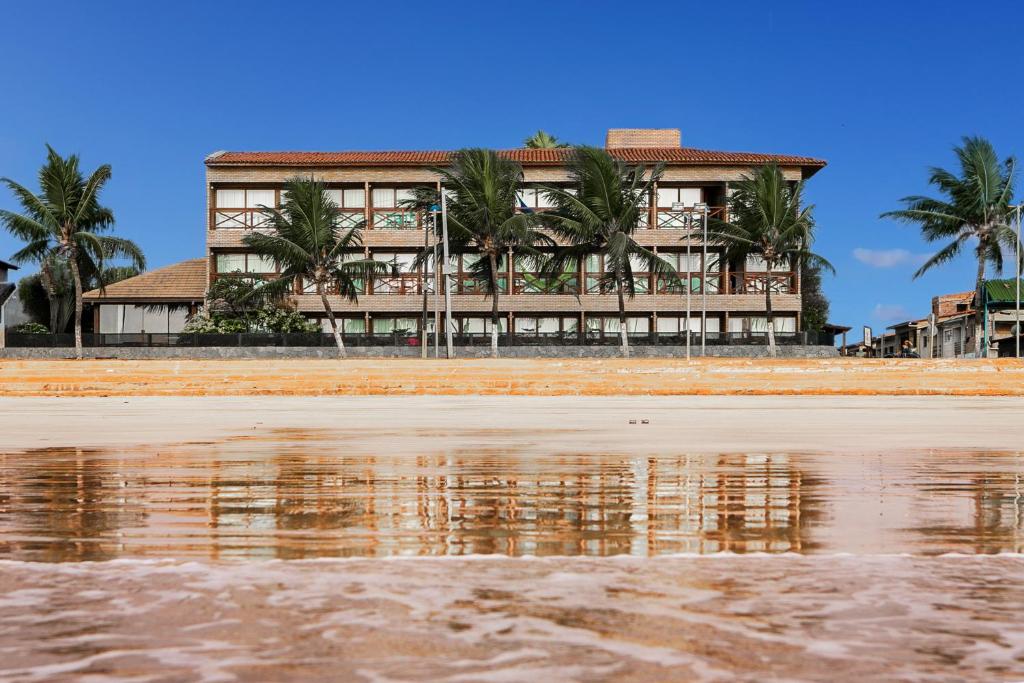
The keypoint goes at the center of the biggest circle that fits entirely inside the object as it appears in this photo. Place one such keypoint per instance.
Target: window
(132, 319)
(607, 326)
(255, 263)
(231, 199)
(244, 263)
(346, 325)
(399, 326)
(481, 325)
(257, 198)
(530, 326)
(383, 198)
(758, 325)
(673, 325)
(230, 263)
(688, 196)
(755, 264)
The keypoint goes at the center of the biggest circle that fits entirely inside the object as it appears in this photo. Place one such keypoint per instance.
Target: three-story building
(370, 187)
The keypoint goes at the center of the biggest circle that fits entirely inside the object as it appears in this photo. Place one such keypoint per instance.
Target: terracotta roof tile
(185, 281)
(527, 157)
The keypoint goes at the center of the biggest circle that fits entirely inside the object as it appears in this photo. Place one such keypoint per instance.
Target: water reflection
(289, 497)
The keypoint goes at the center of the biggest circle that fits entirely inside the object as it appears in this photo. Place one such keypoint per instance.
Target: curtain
(230, 199)
(354, 198)
(255, 198)
(383, 198)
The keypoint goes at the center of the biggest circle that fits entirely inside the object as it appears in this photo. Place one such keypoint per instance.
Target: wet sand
(725, 618)
(726, 539)
(532, 377)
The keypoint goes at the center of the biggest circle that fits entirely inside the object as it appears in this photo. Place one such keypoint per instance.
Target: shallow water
(304, 495)
(222, 561)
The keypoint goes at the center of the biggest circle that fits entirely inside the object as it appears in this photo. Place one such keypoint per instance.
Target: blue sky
(881, 90)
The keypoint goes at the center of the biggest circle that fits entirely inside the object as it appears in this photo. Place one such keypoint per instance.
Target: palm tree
(602, 217)
(62, 223)
(976, 208)
(766, 219)
(304, 238)
(483, 218)
(543, 140)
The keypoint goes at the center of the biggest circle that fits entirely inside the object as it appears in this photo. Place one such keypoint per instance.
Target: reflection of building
(370, 189)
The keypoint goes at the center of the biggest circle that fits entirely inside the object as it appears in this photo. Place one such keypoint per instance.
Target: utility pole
(447, 278)
(1017, 329)
(703, 279)
(689, 278)
(437, 288)
(424, 278)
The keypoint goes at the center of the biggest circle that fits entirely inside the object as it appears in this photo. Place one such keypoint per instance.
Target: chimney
(642, 137)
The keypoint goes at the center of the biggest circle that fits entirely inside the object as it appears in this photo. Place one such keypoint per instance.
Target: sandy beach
(534, 377)
(273, 536)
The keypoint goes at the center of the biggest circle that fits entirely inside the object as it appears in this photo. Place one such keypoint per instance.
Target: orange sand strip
(539, 377)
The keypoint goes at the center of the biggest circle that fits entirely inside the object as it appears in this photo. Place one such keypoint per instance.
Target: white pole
(1017, 303)
(447, 278)
(689, 269)
(704, 284)
(437, 294)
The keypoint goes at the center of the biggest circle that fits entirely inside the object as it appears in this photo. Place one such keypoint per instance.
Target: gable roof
(178, 282)
(527, 157)
(8, 266)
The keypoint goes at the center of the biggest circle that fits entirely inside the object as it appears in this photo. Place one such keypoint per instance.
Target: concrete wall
(235, 352)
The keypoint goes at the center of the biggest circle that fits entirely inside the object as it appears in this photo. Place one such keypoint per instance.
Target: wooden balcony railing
(713, 282)
(403, 283)
(395, 219)
(667, 219)
(536, 283)
(757, 283)
(250, 219)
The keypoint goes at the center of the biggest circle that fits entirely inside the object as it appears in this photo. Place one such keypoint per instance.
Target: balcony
(395, 219)
(669, 219)
(758, 283)
(537, 283)
(253, 219)
(403, 283)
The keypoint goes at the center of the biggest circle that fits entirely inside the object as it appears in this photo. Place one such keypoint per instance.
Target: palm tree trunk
(623, 336)
(768, 312)
(77, 277)
(979, 307)
(46, 276)
(494, 305)
(334, 324)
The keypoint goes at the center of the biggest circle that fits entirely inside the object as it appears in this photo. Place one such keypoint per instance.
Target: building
(7, 291)
(369, 188)
(159, 301)
(1000, 317)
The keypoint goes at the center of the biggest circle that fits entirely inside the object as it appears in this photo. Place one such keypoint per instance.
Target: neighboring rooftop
(950, 304)
(178, 282)
(1002, 291)
(8, 266)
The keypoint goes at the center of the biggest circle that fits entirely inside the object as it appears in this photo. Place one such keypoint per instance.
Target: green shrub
(32, 328)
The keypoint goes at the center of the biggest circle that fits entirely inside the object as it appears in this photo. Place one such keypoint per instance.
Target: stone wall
(256, 352)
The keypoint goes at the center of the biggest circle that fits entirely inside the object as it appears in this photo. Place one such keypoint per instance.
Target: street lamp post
(703, 208)
(1016, 259)
(688, 221)
(447, 278)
